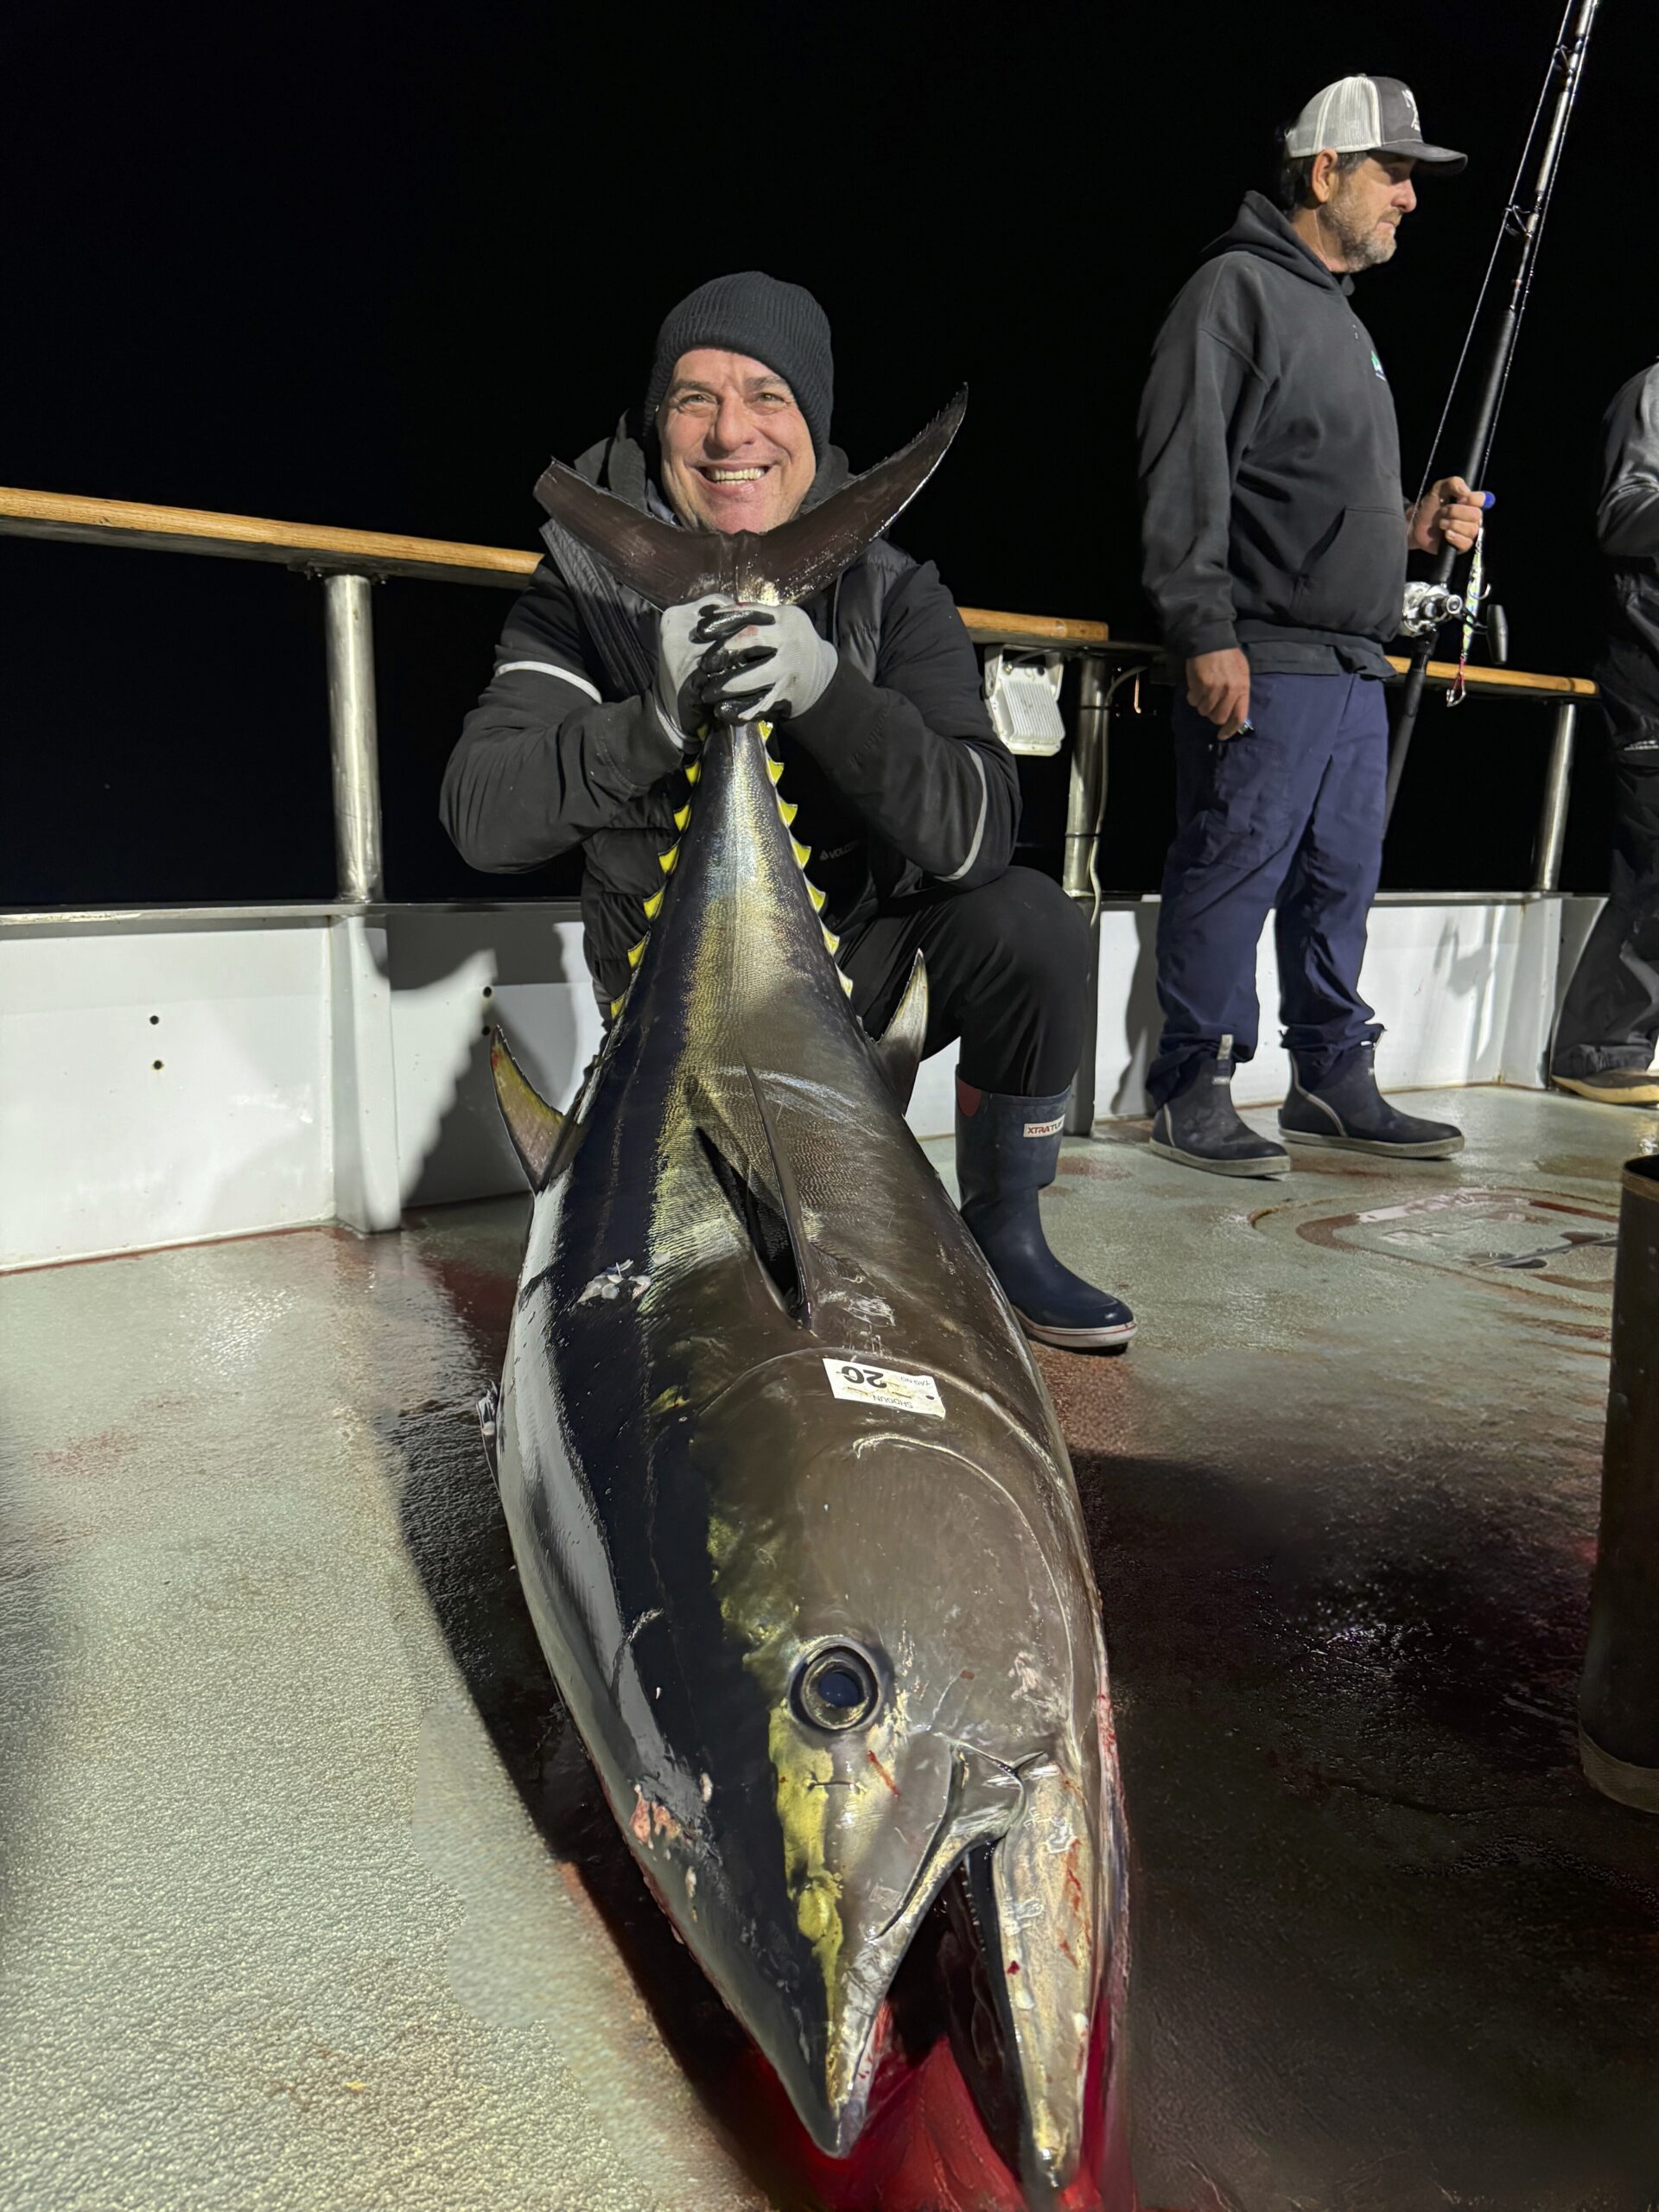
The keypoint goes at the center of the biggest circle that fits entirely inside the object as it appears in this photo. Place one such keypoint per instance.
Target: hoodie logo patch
(1377, 364)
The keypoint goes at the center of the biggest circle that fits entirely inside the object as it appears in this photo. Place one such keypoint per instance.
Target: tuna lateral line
(1523, 220)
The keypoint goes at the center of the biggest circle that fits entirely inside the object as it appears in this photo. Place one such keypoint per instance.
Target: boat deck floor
(306, 1901)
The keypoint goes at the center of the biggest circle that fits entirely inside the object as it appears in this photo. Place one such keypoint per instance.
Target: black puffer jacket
(1627, 526)
(897, 774)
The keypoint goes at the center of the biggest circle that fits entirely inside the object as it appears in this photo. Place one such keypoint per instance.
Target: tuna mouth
(946, 2093)
(1000, 1953)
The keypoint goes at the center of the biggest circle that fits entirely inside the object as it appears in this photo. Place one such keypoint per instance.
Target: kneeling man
(905, 795)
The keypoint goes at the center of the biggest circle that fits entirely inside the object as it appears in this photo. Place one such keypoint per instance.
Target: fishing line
(1510, 225)
(1524, 219)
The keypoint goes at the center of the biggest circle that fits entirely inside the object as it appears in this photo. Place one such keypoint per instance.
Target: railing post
(1082, 811)
(1558, 781)
(349, 629)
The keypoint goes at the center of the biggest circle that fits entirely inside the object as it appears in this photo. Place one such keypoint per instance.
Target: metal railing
(347, 562)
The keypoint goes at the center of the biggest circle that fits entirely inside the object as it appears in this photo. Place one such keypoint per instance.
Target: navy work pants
(1287, 817)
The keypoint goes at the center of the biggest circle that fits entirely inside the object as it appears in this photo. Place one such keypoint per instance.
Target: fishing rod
(1431, 603)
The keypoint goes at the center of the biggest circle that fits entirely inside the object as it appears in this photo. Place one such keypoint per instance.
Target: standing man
(1604, 1038)
(902, 790)
(1275, 534)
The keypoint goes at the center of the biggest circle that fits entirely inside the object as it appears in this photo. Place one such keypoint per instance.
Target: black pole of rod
(1529, 225)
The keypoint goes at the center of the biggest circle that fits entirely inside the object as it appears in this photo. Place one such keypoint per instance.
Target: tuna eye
(837, 1688)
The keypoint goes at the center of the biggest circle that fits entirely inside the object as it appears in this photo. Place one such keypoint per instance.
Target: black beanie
(779, 324)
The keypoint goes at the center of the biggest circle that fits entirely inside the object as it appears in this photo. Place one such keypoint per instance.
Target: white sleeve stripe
(552, 667)
(979, 826)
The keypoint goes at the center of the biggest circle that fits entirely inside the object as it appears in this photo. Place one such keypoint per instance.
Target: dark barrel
(1618, 1694)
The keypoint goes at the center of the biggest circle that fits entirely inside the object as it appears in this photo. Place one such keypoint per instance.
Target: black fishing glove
(685, 635)
(764, 663)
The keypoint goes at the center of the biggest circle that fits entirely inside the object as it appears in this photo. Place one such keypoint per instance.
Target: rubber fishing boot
(1346, 1109)
(1200, 1127)
(1008, 1151)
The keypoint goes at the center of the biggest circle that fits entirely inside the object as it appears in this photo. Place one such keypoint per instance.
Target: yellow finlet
(636, 953)
(789, 810)
(617, 1005)
(775, 770)
(803, 853)
(846, 983)
(693, 770)
(831, 942)
(654, 905)
(666, 860)
(684, 816)
(764, 729)
(816, 897)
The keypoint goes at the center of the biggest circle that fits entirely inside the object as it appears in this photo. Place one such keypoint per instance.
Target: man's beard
(1360, 248)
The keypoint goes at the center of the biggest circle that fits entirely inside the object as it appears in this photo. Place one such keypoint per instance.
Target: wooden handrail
(320, 547)
(317, 546)
(1504, 679)
(1126, 653)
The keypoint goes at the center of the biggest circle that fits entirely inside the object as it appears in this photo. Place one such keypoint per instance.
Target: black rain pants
(1008, 966)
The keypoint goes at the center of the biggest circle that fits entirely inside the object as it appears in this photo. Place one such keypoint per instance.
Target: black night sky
(369, 266)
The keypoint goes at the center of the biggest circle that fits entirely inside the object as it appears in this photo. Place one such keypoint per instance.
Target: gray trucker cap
(1367, 115)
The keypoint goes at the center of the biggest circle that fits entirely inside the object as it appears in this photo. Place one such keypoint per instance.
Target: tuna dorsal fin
(670, 566)
(532, 1122)
(898, 1048)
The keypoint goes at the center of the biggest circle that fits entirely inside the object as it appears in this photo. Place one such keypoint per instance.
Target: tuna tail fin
(665, 564)
(532, 1124)
(802, 556)
(670, 566)
(898, 1048)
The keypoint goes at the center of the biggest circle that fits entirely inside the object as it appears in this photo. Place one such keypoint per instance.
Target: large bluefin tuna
(791, 1510)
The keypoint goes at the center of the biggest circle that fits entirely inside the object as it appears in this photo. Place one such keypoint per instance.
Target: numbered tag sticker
(885, 1386)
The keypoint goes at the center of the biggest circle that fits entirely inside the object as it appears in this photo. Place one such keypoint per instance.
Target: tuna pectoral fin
(739, 1139)
(532, 1122)
(898, 1048)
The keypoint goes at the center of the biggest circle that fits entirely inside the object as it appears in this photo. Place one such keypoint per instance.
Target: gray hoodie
(1272, 513)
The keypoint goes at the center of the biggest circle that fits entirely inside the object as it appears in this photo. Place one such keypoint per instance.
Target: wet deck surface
(305, 1900)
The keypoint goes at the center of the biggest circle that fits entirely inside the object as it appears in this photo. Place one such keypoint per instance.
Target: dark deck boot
(1200, 1127)
(1008, 1151)
(1614, 1086)
(1346, 1109)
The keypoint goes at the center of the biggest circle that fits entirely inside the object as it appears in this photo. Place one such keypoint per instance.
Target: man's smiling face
(736, 451)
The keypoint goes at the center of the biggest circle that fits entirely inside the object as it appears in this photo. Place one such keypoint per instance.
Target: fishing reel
(1430, 607)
